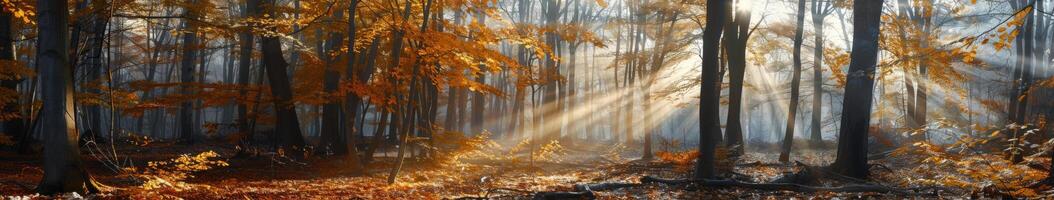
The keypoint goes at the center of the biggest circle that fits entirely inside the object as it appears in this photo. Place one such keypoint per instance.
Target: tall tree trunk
(95, 45)
(709, 110)
(63, 169)
(736, 36)
(408, 109)
(792, 110)
(351, 134)
(819, 11)
(851, 159)
(288, 125)
(331, 125)
(245, 55)
(1021, 110)
(478, 98)
(186, 73)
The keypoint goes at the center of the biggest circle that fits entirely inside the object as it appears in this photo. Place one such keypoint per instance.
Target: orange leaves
(837, 60)
(683, 161)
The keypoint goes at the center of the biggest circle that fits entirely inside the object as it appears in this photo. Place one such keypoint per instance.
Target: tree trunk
(851, 159)
(245, 55)
(709, 110)
(351, 134)
(819, 11)
(288, 125)
(409, 108)
(330, 136)
(186, 73)
(63, 169)
(478, 97)
(736, 36)
(792, 109)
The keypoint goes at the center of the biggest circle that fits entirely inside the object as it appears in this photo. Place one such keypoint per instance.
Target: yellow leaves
(837, 60)
(22, 10)
(551, 151)
(969, 57)
(170, 174)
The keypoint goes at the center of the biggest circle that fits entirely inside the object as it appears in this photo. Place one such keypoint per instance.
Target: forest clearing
(526, 99)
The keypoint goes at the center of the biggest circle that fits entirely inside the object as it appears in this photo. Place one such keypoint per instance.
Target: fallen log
(775, 186)
(564, 195)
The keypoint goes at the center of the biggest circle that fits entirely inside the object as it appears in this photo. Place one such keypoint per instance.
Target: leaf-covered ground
(156, 171)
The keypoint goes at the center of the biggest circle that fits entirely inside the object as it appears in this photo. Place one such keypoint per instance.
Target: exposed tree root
(880, 155)
(564, 195)
(761, 164)
(603, 186)
(777, 186)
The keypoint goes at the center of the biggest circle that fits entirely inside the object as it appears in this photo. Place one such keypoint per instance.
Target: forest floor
(269, 176)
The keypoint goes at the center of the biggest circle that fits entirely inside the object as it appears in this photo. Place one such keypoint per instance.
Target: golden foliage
(683, 161)
(170, 174)
(22, 10)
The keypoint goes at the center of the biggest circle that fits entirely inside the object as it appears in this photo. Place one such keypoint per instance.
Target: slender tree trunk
(478, 98)
(186, 73)
(331, 125)
(709, 110)
(351, 134)
(409, 108)
(818, 14)
(245, 55)
(1021, 109)
(788, 138)
(736, 35)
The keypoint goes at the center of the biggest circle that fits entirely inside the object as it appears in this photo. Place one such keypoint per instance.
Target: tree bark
(186, 73)
(735, 40)
(820, 10)
(709, 109)
(288, 125)
(851, 159)
(331, 125)
(792, 109)
(245, 55)
(63, 169)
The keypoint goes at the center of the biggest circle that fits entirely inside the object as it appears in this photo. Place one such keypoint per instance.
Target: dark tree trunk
(735, 40)
(1024, 84)
(820, 10)
(63, 169)
(330, 136)
(288, 126)
(478, 97)
(856, 116)
(245, 55)
(186, 73)
(709, 110)
(351, 134)
(792, 110)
